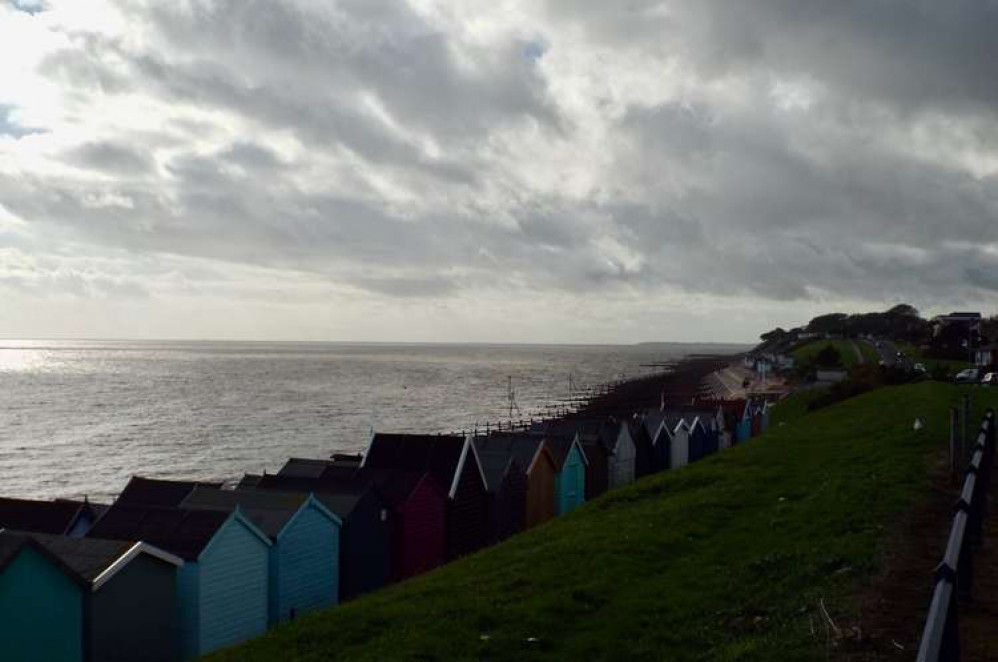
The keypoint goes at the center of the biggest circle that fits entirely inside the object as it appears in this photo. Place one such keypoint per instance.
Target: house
(454, 464)
(419, 513)
(365, 534)
(222, 587)
(985, 355)
(570, 480)
(69, 599)
(59, 517)
(159, 492)
(305, 544)
(506, 483)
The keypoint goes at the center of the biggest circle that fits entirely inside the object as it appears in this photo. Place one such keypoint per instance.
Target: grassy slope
(804, 355)
(722, 560)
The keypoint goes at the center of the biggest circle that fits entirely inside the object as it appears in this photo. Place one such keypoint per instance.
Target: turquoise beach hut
(570, 480)
(305, 555)
(223, 585)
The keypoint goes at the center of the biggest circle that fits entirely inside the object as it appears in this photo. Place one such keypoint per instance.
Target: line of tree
(901, 323)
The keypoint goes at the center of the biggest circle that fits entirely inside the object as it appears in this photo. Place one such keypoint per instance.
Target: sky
(491, 170)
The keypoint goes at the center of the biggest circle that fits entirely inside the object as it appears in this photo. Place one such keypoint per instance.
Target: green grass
(723, 560)
(805, 354)
(794, 406)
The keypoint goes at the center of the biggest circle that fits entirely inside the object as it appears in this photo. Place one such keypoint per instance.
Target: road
(887, 351)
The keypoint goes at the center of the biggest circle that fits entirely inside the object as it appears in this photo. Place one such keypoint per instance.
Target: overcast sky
(491, 170)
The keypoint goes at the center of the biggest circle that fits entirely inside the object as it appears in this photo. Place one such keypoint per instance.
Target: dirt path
(859, 353)
(892, 611)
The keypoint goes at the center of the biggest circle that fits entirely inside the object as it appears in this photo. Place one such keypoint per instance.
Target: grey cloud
(111, 157)
(735, 199)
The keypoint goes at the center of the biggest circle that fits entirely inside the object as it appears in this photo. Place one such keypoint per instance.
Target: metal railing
(954, 575)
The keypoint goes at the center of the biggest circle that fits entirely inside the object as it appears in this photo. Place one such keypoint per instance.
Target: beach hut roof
(394, 485)
(89, 560)
(496, 451)
(12, 542)
(158, 492)
(269, 510)
(338, 499)
(54, 517)
(560, 446)
(249, 480)
(303, 467)
(443, 456)
(179, 531)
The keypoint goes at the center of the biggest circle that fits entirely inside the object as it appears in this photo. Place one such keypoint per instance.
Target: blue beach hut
(305, 551)
(223, 585)
(570, 477)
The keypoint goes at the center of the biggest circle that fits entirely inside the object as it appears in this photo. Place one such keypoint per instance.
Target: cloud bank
(566, 170)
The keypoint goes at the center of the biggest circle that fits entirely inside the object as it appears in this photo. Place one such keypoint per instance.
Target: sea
(78, 418)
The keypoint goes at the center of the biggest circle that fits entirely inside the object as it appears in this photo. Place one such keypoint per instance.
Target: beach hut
(643, 447)
(304, 467)
(59, 517)
(365, 535)
(679, 455)
(743, 427)
(66, 599)
(758, 419)
(622, 452)
(506, 486)
(454, 464)
(655, 423)
(570, 480)
(699, 438)
(587, 433)
(533, 451)
(305, 544)
(159, 492)
(419, 512)
(223, 585)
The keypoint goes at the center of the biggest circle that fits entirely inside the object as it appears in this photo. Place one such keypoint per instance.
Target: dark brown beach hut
(159, 492)
(507, 484)
(59, 517)
(419, 506)
(454, 464)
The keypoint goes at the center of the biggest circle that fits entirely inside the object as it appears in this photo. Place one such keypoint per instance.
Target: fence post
(966, 425)
(954, 443)
(951, 633)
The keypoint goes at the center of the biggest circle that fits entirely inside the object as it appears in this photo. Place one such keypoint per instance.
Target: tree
(830, 323)
(828, 357)
(903, 310)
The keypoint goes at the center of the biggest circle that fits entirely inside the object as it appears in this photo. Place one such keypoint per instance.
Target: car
(967, 376)
(990, 379)
(918, 367)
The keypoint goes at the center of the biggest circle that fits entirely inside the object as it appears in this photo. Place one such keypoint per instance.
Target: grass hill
(728, 559)
(805, 354)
